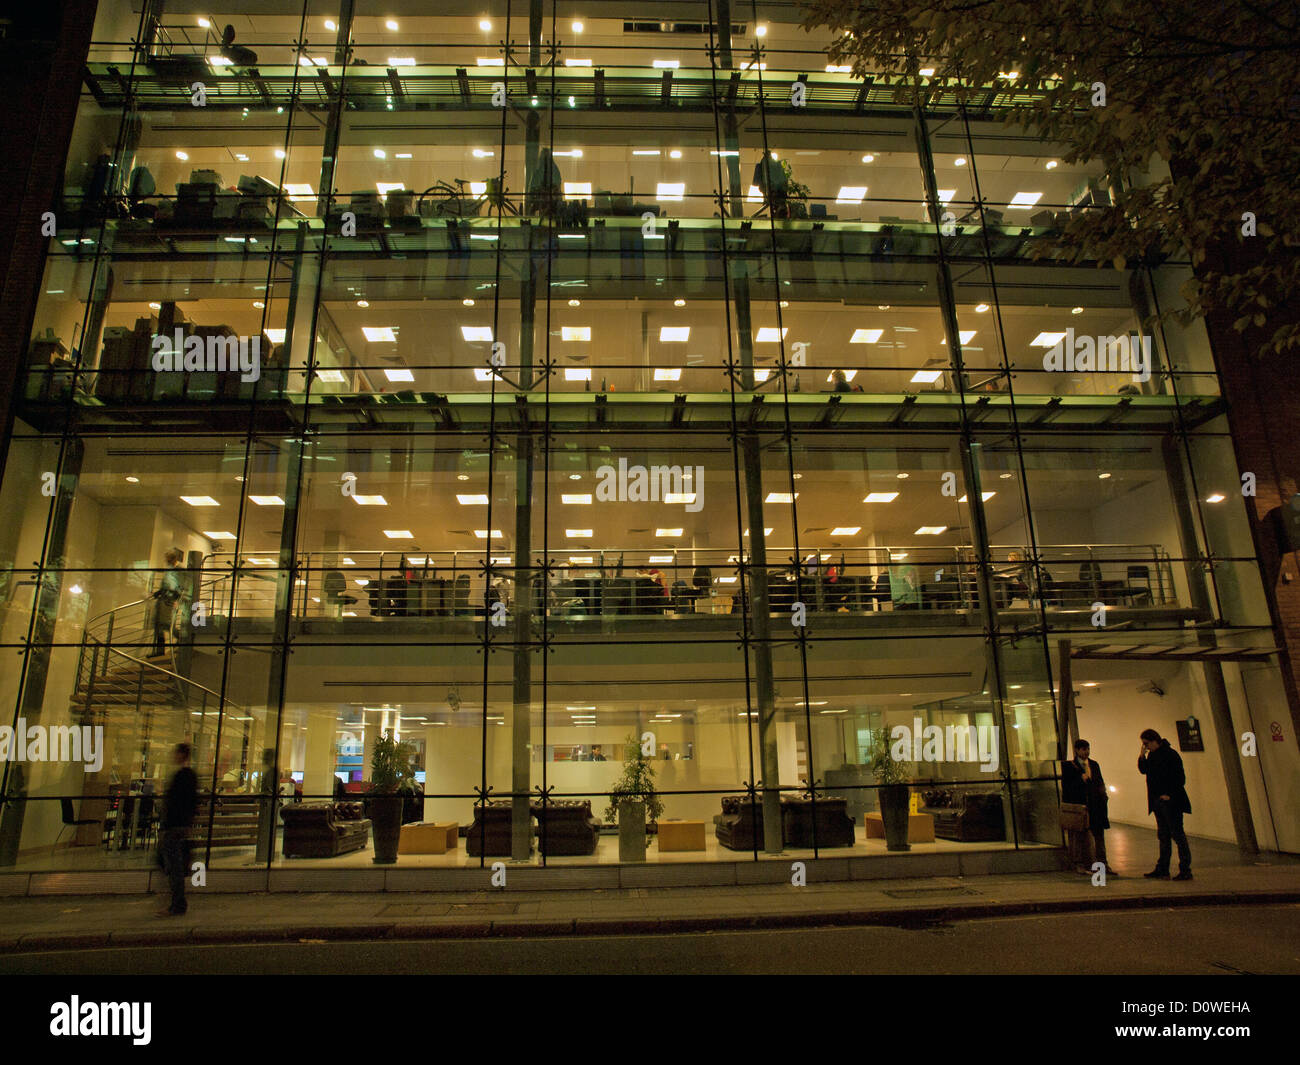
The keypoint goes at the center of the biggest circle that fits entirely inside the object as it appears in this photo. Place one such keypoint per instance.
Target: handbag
(1074, 817)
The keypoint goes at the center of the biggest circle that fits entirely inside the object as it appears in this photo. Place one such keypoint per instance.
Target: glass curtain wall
(576, 399)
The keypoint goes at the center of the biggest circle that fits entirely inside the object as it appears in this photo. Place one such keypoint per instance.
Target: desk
(920, 827)
(681, 836)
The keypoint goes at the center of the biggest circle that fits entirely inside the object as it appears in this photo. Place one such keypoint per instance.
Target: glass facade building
(545, 391)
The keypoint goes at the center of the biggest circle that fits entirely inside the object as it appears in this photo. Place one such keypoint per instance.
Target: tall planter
(386, 826)
(631, 830)
(895, 800)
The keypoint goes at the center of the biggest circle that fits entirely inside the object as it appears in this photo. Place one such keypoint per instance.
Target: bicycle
(445, 200)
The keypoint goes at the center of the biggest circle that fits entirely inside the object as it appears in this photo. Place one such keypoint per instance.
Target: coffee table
(681, 836)
(429, 837)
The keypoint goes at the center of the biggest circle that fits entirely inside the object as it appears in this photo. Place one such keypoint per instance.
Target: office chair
(335, 585)
(1143, 574)
(237, 54)
(69, 821)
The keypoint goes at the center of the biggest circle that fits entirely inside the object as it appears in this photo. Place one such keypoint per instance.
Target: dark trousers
(1099, 845)
(174, 854)
(1169, 827)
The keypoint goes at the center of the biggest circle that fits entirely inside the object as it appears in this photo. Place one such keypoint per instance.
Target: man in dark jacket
(1167, 799)
(1081, 782)
(179, 807)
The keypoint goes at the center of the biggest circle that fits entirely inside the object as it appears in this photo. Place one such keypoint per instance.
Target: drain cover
(928, 892)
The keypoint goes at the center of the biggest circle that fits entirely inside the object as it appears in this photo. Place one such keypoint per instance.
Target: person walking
(179, 807)
(1167, 800)
(169, 593)
(1081, 782)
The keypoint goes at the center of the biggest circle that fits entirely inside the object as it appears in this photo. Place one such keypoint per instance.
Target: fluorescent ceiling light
(575, 189)
(578, 534)
(201, 501)
(219, 535)
(724, 152)
(401, 61)
(275, 336)
(849, 375)
(331, 377)
(662, 374)
(664, 559)
(382, 334)
(645, 151)
(482, 153)
(930, 530)
(477, 188)
(766, 532)
(670, 191)
(1024, 200)
(965, 335)
(762, 374)
(926, 72)
(880, 497)
(846, 530)
(986, 496)
(751, 65)
(577, 62)
(577, 373)
(472, 500)
(261, 561)
(267, 501)
(898, 557)
(1046, 340)
(385, 187)
(490, 61)
(399, 534)
(754, 195)
(851, 194)
(679, 497)
(476, 332)
(866, 336)
(769, 335)
(571, 153)
(298, 190)
(580, 333)
(482, 534)
(667, 64)
(781, 497)
(220, 61)
(485, 375)
(839, 70)
(581, 560)
(580, 499)
(668, 532)
(369, 501)
(926, 377)
(674, 334)
(1216, 498)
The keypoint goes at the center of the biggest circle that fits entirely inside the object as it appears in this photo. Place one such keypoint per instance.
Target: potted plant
(892, 776)
(632, 799)
(390, 775)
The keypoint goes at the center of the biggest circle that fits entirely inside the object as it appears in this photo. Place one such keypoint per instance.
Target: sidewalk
(96, 922)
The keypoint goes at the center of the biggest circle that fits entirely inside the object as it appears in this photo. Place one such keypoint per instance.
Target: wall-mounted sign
(1189, 735)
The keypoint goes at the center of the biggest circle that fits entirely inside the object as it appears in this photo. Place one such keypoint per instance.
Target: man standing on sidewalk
(179, 807)
(1167, 799)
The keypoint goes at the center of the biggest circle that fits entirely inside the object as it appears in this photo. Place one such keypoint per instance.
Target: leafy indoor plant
(391, 774)
(633, 800)
(892, 777)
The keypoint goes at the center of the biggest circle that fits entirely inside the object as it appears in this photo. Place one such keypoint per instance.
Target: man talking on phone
(1167, 799)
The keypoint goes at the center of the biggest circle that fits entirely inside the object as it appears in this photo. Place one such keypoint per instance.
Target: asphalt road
(1211, 940)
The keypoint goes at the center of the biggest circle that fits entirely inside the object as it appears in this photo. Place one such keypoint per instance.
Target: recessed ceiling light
(219, 535)
(674, 334)
(667, 64)
(1004, 476)
(576, 63)
(1216, 498)
(1076, 310)
(1051, 164)
(679, 497)
(959, 161)
(669, 532)
(399, 534)
(182, 156)
(363, 303)
(781, 497)
(370, 501)
(575, 477)
(679, 303)
(490, 61)
(902, 476)
(980, 308)
(766, 532)
(482, 534)
(200, 501)
(670, 191)
(1046, 340)
(400, 375)
(204, 23)
(926, 377)
(575, 303)
(462, 476)
(391, 24)
(577, 26)
(1022, 201)
(259, 304)
(930, 530)
(577, 373)
(769, 335)
(986, 496)
(476, 332)
(267, 501)
(1103, 476)
(379, 334)
(132, 479)
(946, 195)
(577, 333)
(379, 153)
(578, 534)
(926, 72)
(331, 25)
(484, 25)
(965, 335)
(866, 336)
(331, 377)
(868, 158)
(846, 530)
(580, 499)
(472, 500)
(845, 69)
(668, 374)
(1010, 75)
(401, 61)
(467, 303)
(881, 497)
(675, 154)
(279, 153)
(155, 306)
(851, 194)
(760, 31)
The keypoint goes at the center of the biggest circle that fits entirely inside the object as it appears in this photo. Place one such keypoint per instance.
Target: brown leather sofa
(566, 826)
(489, 835)
(323, 829)
(833, 824)
(966, 816)
(740, 825)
